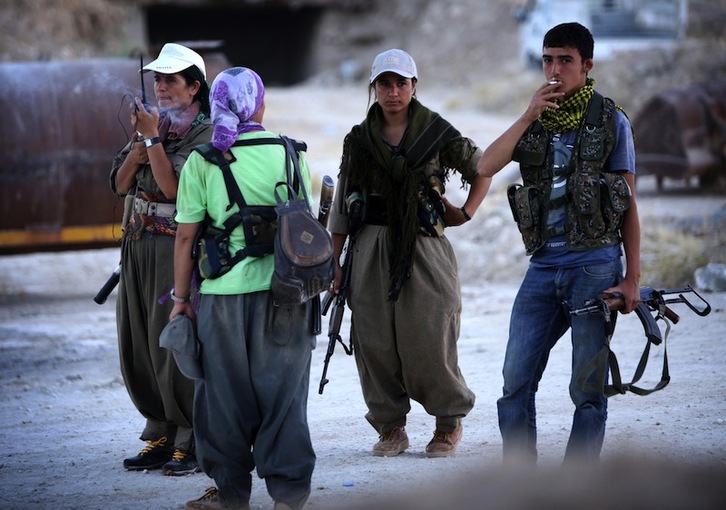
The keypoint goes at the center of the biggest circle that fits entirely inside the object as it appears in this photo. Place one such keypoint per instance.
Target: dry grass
(669, 257)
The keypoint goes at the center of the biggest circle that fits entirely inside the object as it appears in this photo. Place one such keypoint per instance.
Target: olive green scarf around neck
(398, 175)
(568, 116)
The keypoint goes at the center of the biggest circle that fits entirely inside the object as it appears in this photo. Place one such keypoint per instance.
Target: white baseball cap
(174, 58)
(394, 61)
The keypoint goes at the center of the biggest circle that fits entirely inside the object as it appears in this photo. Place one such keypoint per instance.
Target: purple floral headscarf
(237, 94)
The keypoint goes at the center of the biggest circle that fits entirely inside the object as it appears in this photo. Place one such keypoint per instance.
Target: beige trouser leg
(407, 349)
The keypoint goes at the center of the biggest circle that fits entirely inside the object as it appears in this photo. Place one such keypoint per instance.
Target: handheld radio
(143, 87)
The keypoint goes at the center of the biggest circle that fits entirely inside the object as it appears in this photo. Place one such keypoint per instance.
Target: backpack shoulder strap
(595, 109)
(292, 147)
(294, 176)
(210, 153)
(223, 160)
(297, 144)
(213, 155)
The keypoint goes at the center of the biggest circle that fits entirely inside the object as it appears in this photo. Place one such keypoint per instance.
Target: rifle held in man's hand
(650, 300)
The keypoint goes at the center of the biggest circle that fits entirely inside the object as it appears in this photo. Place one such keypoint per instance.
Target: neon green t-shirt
(202, 191)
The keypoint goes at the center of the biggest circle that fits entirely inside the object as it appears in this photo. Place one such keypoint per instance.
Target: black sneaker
(153, 456)
(181, 463)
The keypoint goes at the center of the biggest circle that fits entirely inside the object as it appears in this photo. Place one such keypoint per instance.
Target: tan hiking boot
(443, 443)
(391, 443)
(210, 501)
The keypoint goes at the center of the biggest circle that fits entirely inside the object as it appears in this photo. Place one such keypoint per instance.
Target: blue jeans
(539, 319)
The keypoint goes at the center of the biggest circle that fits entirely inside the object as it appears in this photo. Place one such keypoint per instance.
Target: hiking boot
(181, 463)
(443, 443)
(210, 501)
(391, 443)
(153, 456)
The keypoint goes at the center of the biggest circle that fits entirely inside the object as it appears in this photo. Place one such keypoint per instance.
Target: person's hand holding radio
(145, 120)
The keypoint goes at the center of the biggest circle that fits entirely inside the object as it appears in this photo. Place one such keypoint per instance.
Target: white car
(615, 24)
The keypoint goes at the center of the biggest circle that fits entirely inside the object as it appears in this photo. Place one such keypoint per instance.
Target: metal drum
(62, 123)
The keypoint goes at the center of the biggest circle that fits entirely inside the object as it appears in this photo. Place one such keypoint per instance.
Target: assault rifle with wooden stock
(651, 300)
(355, 219)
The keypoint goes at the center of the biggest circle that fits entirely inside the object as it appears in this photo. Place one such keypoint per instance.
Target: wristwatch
(151, 141)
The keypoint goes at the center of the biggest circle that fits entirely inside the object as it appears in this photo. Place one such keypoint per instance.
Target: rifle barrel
(326, 199)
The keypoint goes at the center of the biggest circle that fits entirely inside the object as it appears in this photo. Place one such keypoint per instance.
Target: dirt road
(67, 422)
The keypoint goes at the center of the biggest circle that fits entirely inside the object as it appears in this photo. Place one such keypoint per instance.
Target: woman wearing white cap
(149, 167)
(404, 291)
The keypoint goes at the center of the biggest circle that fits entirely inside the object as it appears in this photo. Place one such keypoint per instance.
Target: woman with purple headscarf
(250, 406)
(236, 99)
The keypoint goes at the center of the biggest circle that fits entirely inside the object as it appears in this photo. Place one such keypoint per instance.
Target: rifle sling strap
(223, 161)
(606, 360)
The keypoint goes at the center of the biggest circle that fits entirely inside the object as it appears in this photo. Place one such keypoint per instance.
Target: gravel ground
(67, 422)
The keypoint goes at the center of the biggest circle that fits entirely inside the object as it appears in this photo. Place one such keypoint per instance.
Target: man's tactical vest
(595, 199)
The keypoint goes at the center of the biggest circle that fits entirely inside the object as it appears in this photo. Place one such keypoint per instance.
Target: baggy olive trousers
(407, 349)
(156, 386)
